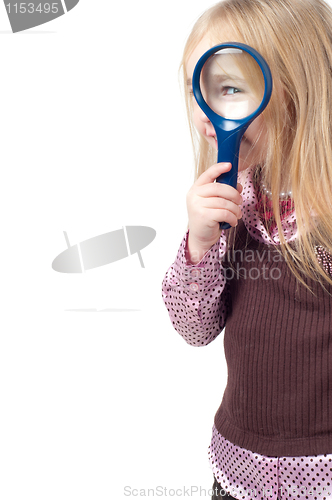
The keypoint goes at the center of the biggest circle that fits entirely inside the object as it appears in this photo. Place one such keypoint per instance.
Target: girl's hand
(209, 203)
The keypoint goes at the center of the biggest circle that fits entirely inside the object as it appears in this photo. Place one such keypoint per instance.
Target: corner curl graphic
(104, 249)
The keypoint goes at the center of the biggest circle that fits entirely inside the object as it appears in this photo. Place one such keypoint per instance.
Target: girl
(269, 277)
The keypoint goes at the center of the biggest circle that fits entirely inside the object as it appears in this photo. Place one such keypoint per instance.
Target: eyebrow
(225, 77)
(233, 78)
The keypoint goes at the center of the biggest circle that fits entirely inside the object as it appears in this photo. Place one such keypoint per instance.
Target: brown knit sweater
(278, 348)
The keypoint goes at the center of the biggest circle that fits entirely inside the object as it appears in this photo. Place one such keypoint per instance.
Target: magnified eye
(229, 90)
(231, 83)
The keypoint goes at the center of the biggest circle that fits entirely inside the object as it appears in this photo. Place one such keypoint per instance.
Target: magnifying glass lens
(232, 83)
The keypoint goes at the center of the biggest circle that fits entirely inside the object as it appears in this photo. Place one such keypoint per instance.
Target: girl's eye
(229, 90)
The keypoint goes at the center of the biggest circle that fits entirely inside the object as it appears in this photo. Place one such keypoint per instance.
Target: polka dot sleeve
(196, 295)
(324, 258)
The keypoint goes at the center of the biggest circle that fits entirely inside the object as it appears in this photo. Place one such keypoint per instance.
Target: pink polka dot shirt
(242, 473)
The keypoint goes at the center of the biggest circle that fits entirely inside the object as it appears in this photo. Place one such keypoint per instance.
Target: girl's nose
(203, 117)
(209, 128)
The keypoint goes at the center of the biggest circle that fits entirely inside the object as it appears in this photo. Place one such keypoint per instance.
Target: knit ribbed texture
(278, 348)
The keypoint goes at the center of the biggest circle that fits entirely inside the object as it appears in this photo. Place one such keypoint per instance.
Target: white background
(94, 137)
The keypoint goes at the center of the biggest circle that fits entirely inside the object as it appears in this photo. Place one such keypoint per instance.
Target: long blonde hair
(295, 38)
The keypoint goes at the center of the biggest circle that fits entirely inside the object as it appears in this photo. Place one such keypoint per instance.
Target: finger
(221, 190)
(212, 173)
(222, 204)
(221, 215)
(239, 187)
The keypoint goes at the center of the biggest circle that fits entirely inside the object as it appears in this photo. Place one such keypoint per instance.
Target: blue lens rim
(220, 121)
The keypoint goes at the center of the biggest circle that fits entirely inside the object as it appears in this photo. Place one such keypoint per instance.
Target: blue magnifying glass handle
(228, 151)
(225, 83)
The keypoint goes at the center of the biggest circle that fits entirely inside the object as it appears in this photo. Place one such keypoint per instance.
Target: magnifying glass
(232, 84)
